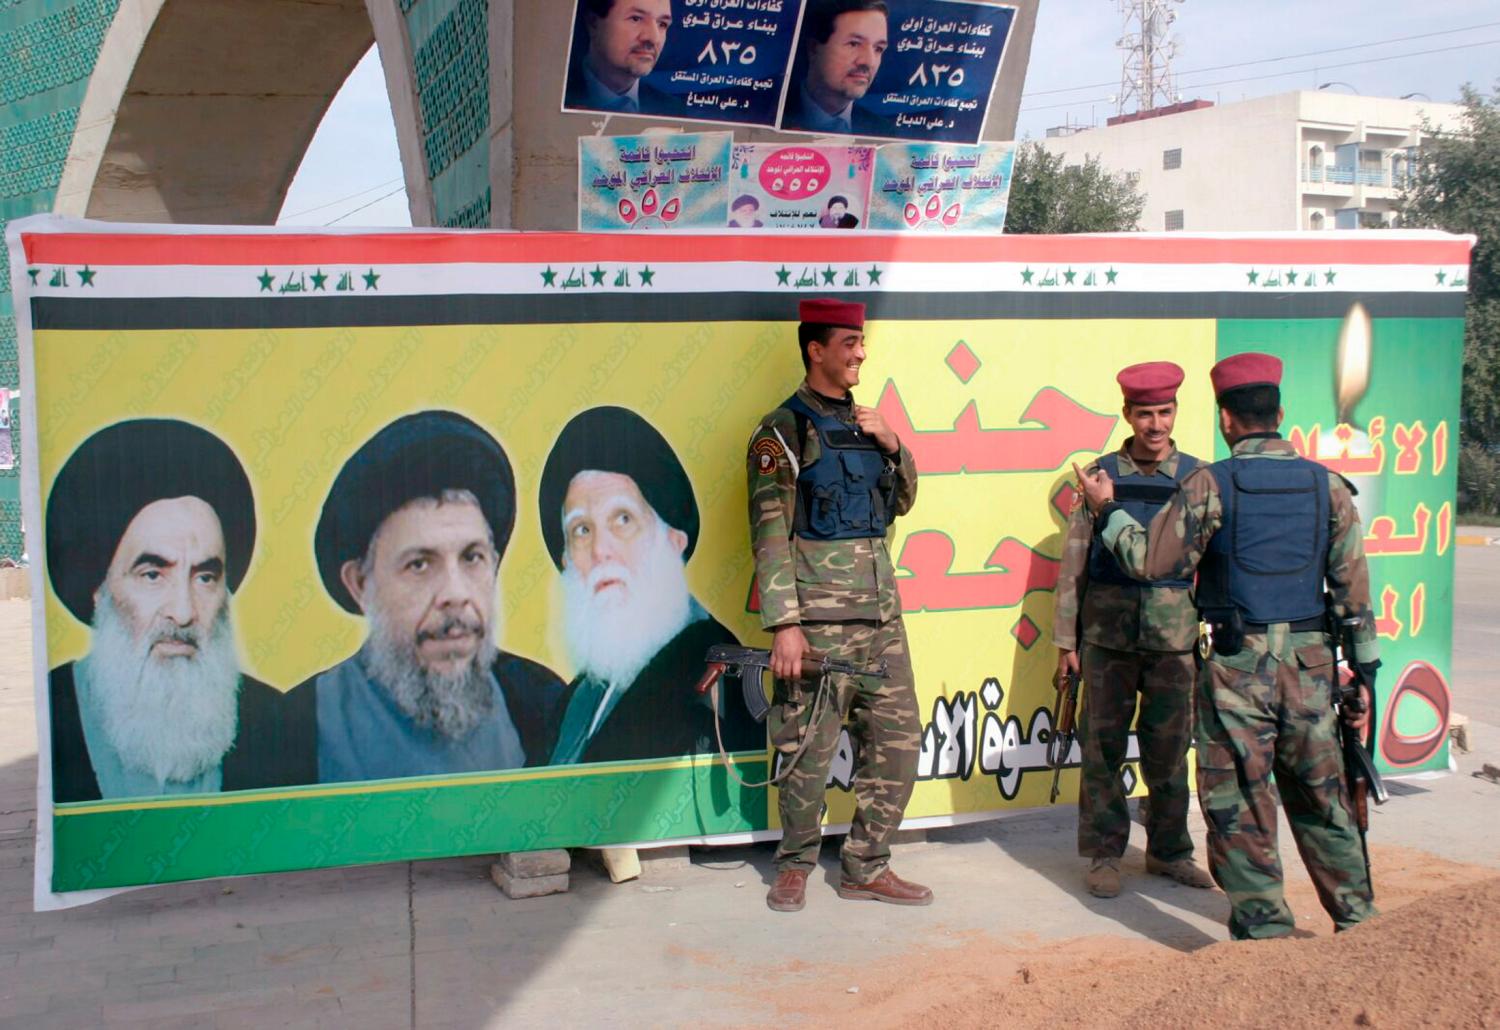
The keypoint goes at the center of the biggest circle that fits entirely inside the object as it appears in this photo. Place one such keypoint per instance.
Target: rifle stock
(1064, 728)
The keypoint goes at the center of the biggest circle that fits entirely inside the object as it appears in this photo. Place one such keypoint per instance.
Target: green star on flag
(874, 275)
(1252, 277)
(371, 279)
(647, 275)
(1109, 276)
(1068, 276)
(1291, 277)
(266, 279)
(86, 275)
(33, 272)
(828, 276)
(1026, 275)
(597, 274)
(1329, 276)
(549, 277)
(318, 279)
(1442, 277)
(783, 276)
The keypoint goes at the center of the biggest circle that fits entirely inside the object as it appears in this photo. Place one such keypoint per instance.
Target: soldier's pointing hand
(1098, 489)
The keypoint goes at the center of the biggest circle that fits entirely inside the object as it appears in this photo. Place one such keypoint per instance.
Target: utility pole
(1148, 47)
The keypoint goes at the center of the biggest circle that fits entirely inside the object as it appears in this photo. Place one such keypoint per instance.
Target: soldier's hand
(1098, 489)
(1356, 716)
(872, 424)
(787, 648)
(1067, 665)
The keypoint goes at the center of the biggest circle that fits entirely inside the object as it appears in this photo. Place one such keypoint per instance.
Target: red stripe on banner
(530, 248)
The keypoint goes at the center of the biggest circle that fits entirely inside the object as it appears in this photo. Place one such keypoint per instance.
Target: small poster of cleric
(941, 186)
(918, 70)
(660, 181)
(7, 448)
(806, 186)
(719, 61)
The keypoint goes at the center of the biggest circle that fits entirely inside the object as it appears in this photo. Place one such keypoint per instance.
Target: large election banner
(357, 547)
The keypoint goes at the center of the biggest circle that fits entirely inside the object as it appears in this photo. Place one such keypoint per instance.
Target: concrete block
(1460, 732)
(664, 861)
(536, 863)
(621, 863)
(528, 886)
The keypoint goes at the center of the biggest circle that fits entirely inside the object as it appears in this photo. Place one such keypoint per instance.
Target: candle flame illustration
(1352, 375)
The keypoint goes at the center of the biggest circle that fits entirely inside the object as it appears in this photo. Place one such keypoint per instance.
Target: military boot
(1103, 878)
(1183, 871)
(789, 892)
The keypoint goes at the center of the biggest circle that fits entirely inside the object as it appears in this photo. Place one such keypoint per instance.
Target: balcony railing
(1350, 176)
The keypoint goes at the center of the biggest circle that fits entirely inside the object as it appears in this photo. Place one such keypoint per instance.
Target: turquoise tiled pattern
(450, 43)
(47, 53)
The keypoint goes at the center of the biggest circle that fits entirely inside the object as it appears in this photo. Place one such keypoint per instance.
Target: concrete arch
(201, 110)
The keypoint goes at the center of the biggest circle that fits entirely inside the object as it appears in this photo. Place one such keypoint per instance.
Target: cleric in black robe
(411, 537)
(620, 521)
(150, 528)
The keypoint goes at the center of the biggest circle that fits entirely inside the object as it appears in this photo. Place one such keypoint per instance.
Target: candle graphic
(1351, 381)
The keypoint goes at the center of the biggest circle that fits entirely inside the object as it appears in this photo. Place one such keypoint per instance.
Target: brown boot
(887, 887)
(789, 892)
(1103, 878)
(1183, 871)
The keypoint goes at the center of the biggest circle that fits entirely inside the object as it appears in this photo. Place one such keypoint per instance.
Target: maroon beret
(1250, 369)
(1151, 382)
(848, 314)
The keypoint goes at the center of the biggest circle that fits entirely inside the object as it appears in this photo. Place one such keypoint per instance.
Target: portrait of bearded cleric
(411, 538)
(620, 521)
(150, 527)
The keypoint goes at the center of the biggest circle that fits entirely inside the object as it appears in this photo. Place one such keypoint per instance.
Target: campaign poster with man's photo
(720, 61)
(655, 181)
(918, 70)
(7, 448)
(803, 186)
(941, 187)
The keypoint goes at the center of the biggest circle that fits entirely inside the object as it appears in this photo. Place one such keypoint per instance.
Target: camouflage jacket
(1178, 536)
(1122, 618)
(815, 580)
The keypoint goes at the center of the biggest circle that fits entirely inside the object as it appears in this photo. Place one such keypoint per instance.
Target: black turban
(118, 471)
(416, 456)
(611, 439)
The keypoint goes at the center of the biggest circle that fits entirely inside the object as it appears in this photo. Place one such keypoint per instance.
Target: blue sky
(352, 163)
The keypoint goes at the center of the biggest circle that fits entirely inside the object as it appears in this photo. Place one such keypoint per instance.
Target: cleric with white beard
(150, 528)
(411, 537)
(620, 520)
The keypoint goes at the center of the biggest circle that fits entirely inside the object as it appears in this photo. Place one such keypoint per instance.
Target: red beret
(1151, 382)
(826, 311)
(1250, 369)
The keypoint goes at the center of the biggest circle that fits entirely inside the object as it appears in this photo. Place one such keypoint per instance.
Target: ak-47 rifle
(1359, 767)
(750, 665)
(1064, 727)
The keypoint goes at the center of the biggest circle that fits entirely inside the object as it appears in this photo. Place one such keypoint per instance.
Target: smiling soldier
(411, 536)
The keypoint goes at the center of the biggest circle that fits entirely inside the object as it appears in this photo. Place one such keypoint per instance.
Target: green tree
(1457, 187)
(1046, 197)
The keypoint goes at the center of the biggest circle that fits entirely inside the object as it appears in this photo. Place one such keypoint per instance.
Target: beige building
(1303, 160)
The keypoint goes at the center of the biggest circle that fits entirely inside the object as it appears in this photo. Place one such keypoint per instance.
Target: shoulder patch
(768, 454)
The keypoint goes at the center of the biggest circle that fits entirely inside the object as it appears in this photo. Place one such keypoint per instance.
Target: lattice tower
(1148, 48)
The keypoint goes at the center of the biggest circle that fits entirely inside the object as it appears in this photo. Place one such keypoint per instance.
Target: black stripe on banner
(561, 308)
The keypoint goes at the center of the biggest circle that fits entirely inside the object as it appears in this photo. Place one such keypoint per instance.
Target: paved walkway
(433, 944)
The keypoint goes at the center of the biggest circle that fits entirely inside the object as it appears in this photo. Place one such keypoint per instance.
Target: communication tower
(1145, 39)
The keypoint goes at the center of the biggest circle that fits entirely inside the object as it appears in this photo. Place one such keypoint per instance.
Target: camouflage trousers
(1112, 680)
(1262, 713)
(886, 732)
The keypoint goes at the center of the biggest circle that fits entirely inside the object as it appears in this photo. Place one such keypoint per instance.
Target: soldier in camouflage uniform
(827, 476)
(1138, 638)
(1266, 530)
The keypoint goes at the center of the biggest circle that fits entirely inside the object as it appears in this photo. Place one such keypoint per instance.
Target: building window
(1315, 220)
(1174, 221)
(1171, 159)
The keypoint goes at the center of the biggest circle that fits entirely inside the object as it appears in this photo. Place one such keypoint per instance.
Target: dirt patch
(1436, 963)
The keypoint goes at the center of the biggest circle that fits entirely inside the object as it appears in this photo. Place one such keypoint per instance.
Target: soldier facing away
(1266, 530)
(1137, 638)
(827, 477)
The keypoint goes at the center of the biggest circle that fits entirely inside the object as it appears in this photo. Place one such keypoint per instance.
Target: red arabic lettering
(1418, 609)
(1388, 623)
(1383, 538)
(1422, 681)
(1065, 428)
(934, 587)
(1440, 448)
(1409, 439)
(1445, 528)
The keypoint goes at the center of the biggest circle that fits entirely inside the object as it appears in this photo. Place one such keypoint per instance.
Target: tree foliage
(1457, 188)
(1046, 197)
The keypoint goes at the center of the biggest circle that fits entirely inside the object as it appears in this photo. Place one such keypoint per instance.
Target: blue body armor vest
(1141, 496)
(1268, 558)
(849, 492)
